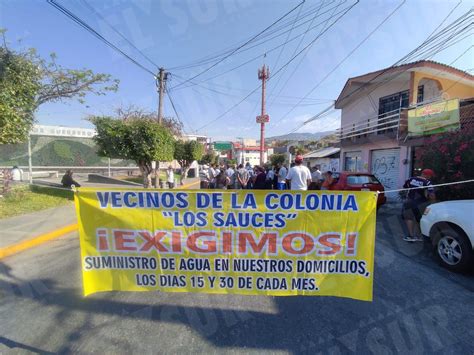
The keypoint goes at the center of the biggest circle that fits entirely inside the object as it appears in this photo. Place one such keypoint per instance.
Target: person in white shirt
(204, 177)
(170, 177)
(316, 175)
(250, 172)
(299, 176)
(282, 171)
(17, 174)
(229, 171)
(316, 178)
(269, 178)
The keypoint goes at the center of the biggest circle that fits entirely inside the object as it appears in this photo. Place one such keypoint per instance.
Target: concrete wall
(368, 105)
(326, 164)
(453, 89)
(365, 106)
(95, 178)
(366, 151)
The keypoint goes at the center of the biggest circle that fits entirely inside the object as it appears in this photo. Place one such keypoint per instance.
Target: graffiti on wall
(385, 165)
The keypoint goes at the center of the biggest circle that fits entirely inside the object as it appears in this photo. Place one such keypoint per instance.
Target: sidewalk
(20, 228)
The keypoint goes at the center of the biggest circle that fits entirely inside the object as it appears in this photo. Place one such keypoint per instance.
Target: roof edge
(403, 67)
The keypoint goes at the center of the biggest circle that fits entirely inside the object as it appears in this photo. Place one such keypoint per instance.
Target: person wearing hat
(417, 200)
(299, 176)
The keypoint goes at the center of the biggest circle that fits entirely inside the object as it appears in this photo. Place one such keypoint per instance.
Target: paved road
(27, 226)
(418, 308)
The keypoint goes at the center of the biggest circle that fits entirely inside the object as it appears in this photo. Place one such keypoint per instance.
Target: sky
(173, 34)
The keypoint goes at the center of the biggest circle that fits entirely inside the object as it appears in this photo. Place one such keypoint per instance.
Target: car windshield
(362, 179)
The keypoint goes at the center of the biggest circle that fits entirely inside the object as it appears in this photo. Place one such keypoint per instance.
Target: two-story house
(375, 135)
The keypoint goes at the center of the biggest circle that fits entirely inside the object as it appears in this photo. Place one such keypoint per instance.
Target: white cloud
(328, 123)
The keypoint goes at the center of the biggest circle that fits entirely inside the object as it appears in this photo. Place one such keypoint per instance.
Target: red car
(347, 180)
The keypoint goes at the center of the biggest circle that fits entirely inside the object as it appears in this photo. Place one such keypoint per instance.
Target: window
(353, 161)
(420, 95)
(388, 104)
(361, 179)
(388, 109)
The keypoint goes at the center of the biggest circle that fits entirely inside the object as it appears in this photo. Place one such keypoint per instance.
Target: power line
(289, 34)
(301, 59)
(243, 45)
(345, 58)
(323, 114)
(444, 20)
(214, 57)
(174, 108)
(91, 8)
(439, 49)
(308, 101)
(410, 55)
(281, 68)
(267, 51)
(429, 39)
(84, 25)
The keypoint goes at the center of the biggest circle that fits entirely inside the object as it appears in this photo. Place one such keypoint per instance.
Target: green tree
(27, 81)
(135, 113)
(59, 84)
(19, 86)
(299, 149)
(185, 152)
(277, 158)
(140, 140)
(209, 158)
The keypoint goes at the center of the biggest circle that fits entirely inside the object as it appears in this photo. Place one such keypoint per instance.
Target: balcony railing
(392, 123)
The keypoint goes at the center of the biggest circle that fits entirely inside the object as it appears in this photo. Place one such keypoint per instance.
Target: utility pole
(161, 82)
(263, 75)
(242, 159)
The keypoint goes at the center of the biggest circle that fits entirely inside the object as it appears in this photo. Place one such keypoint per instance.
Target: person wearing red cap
(299, 176)
(417, 200)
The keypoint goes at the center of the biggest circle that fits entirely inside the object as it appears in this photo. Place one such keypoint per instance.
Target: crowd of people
(277, 177)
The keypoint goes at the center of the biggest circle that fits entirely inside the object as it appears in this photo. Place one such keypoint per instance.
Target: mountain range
(299, 136)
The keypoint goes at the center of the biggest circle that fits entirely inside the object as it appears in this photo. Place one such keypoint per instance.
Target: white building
(249, 154)
(197, 137)
(62, 131)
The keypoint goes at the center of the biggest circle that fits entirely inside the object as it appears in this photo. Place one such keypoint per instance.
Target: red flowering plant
(451, 156)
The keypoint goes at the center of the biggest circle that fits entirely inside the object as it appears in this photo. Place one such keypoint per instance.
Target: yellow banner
(434, 118)
(281, 243)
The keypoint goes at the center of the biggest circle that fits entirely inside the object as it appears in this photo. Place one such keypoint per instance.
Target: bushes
(451, 156)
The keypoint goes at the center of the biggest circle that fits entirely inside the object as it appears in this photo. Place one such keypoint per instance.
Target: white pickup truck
(450, 225)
